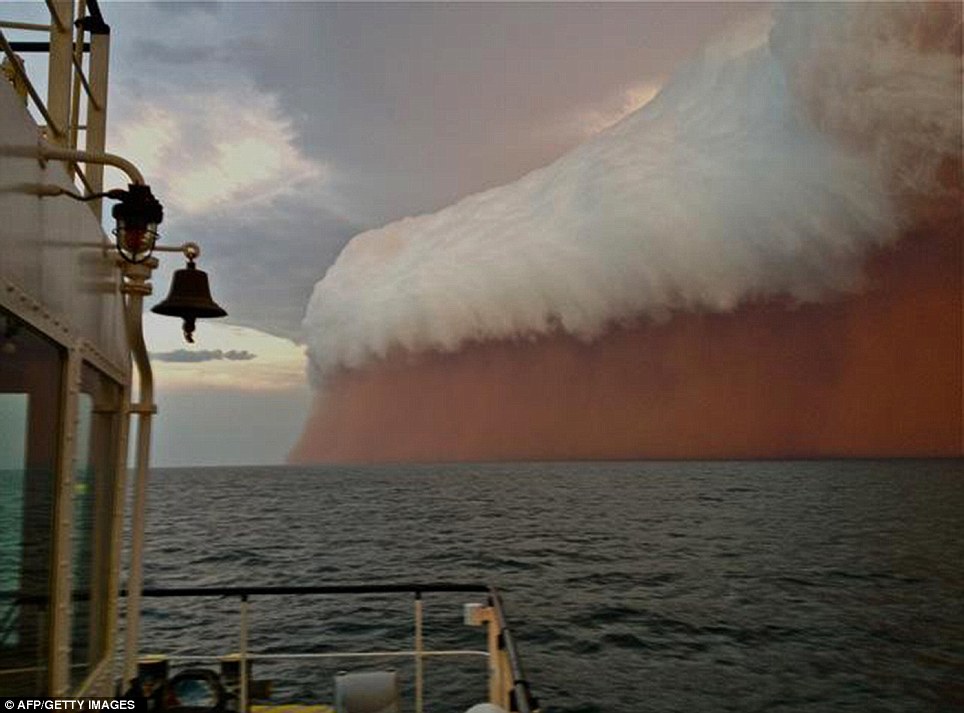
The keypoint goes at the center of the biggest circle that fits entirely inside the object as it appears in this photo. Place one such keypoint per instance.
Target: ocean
(630, 587)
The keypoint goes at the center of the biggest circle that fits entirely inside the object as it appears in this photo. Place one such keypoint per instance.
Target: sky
(274, 132)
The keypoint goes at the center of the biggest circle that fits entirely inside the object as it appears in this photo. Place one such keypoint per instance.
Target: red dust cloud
(875, 374)
(871, 369)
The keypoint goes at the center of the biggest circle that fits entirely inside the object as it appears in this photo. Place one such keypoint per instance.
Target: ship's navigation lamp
(138, 214)
(190, 296)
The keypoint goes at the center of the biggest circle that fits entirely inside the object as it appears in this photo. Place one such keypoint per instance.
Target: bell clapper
(189, 323)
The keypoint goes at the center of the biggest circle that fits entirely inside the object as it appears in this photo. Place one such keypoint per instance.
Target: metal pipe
(30, 26)
(136, 287)
(56, 153)
(371, 654)
(334, 655)
(24, 47)
(313, 589)
(46, 152)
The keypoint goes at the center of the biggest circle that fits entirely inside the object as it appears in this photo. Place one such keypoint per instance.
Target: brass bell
(189, 299)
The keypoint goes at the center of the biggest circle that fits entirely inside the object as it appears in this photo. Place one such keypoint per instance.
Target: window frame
(76, 353)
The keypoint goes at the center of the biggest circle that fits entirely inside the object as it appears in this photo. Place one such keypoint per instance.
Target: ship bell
(190, 299)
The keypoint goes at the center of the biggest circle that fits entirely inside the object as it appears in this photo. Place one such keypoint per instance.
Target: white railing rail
(508, 686)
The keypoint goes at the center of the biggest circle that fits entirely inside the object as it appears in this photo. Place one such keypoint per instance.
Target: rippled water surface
(801, 586)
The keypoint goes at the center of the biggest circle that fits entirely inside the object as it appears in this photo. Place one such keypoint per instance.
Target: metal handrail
(35, 47)
(18, 67)
(254, 591)
(521, 699)
(82, 175)
(390, 654)
(28, 26)
(524, 700)
(55, 16)
(61, 111)
(84, 82)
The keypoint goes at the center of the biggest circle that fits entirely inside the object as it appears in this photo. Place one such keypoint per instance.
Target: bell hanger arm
(190, 250)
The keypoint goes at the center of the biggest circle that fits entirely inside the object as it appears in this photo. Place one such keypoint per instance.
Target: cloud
(587, 121)
(261, 266)
(227, 150)
(743, 179)
(227, 164)
(185, 355)
(354, 120)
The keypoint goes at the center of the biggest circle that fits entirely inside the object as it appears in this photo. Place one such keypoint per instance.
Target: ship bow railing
(508, 686)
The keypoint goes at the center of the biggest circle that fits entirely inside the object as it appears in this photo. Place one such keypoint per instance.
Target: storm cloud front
(762, 261)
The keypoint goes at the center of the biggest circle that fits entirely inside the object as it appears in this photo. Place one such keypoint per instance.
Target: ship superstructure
(71, 342)
(65, 369)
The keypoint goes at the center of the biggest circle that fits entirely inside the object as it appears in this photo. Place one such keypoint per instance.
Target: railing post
(419, 661)
(243, 657)
(497, 689)
(77, 58)
(95, 136)
(59, 71)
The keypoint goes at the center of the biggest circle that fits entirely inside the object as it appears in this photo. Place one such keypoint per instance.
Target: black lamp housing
(138, 214)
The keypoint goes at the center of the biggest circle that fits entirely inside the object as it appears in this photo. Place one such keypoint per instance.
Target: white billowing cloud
(591, 121)
(226, 149)
(741, 179)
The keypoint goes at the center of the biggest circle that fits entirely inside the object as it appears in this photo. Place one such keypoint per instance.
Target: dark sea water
(769, 586)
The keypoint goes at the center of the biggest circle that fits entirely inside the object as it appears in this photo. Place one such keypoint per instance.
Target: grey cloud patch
(368, 81)
(182, 9)
(183, 355)
(168, 54)
(199, 54)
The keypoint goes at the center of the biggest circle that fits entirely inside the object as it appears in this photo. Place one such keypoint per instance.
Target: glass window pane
(13, 454)
(31, 373)
(98, 420)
